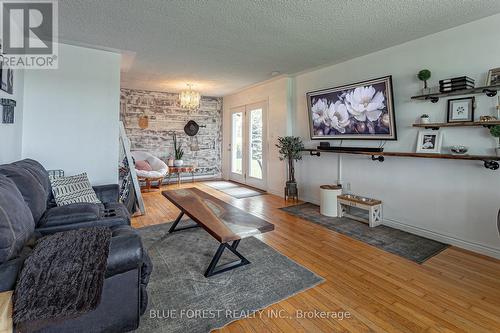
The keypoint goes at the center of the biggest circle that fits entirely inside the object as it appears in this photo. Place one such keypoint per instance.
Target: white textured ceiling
(224, 45)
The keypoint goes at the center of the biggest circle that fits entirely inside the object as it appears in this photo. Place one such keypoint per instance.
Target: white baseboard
(474, 247)
(275, 192)
(187, 177)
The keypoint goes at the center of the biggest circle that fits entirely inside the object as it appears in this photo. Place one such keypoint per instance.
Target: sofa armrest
(111, 222)
(10, 270)
(125, 251)
(107, 193)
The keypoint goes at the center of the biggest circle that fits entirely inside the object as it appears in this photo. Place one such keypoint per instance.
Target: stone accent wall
(165, 114)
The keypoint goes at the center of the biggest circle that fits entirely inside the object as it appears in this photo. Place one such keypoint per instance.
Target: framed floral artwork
(363, 110)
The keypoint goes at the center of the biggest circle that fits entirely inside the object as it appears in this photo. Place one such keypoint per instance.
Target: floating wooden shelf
(490, 91)
(459, 124)
(490, 162)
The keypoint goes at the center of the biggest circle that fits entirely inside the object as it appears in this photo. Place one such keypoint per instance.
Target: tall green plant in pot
(178, 152)
(290, 149)
(495, 131)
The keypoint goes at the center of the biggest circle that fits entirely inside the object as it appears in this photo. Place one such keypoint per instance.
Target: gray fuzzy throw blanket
(62, 278)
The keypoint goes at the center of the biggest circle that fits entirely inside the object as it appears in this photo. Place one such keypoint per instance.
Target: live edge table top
(223, 221)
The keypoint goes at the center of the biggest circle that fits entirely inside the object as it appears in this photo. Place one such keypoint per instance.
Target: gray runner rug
(181, 299)
(402, 243)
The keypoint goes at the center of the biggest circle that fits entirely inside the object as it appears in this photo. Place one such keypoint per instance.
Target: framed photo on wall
(429, 141)
(461, 109)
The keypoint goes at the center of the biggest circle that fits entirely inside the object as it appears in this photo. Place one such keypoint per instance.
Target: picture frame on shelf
(7, 78)
(493, 77)
(429, 141)
(461, 109)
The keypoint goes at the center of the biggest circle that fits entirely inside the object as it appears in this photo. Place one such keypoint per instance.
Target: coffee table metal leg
(213, 269)
(178, 178)
(176, 222)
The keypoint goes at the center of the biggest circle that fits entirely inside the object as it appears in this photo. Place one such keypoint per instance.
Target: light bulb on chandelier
(190, 99)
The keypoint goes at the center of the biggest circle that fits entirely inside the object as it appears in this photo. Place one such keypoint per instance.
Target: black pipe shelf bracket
(379, 158)
(492, 165)
(489, 162)
(433, 99)
(490, 92)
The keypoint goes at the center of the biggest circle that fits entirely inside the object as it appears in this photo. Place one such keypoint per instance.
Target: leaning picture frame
(6, 78)
(493, 77)
(429, 141)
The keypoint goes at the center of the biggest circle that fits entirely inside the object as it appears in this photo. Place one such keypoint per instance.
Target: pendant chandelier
(190, 99)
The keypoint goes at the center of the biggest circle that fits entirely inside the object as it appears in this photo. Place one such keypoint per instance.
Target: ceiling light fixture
(190, 99)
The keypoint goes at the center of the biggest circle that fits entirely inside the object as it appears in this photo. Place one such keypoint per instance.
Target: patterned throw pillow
(73, 189)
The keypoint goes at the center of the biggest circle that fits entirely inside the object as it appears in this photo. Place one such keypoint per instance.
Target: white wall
(277, 95)
(11, 134)
(71, 114)
(453, 201)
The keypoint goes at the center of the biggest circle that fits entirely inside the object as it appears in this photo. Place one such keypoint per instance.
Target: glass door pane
(237, 143)
(255, 143)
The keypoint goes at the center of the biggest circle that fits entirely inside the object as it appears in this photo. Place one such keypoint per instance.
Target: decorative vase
(170, 161)
(425, 120)
(178, 163)
(291, 190)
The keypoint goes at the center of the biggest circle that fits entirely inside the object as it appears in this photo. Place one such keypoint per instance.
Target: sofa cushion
(73, 189)
(33, 193)
(16, 221)
(69, 214)
(37, 170)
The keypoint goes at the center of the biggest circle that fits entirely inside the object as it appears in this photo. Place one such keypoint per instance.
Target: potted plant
(424, 75)
(290, 149)
(178, 152)
(495, 131)
(425, 119)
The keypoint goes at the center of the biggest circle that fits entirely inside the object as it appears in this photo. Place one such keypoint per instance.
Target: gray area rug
(178, 289)
(234, 189)
(404, 244)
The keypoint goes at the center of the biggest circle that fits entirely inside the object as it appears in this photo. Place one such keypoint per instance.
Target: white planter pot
(425, 120)
(178, 163)
(498, 151)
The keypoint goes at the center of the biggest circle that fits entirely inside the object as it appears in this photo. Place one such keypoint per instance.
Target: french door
(248, 148)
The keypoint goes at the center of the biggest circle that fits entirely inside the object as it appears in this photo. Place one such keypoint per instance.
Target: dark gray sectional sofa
(27, 211)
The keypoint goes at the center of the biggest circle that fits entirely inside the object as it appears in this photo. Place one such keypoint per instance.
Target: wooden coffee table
(226, 223)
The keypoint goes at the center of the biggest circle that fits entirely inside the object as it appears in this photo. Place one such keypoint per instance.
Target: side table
(180, 169)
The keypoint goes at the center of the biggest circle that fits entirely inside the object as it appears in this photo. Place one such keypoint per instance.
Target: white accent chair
(159, 172)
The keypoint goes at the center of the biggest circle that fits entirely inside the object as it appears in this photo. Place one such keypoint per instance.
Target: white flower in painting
(319, 112)
(365, 102)
(338, 116)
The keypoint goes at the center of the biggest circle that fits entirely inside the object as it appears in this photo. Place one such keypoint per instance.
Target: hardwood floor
(455, 291)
